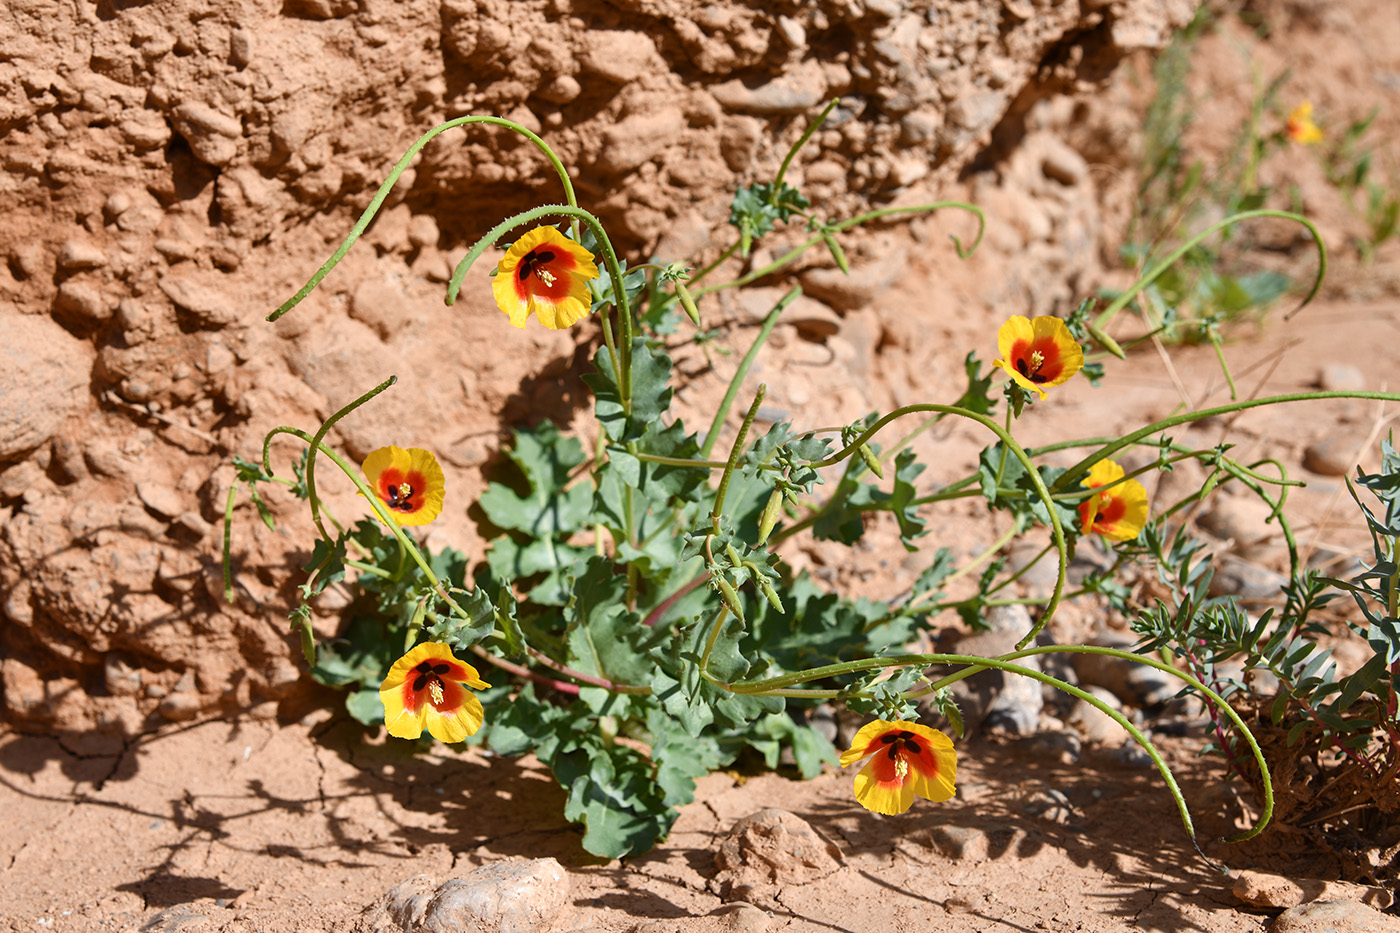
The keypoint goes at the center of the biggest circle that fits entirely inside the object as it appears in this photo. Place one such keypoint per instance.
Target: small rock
(1264, 889)
(46, 376)
(740, 917)
(619, 55)
(213, 136)
(377, 303)
(240, 48)
(793, 32)
(1049, 804)
(164, 500)
(992, 699)
(181, 706)
(75, 255)
(1340, 377)
(1063, 746)
(1331, 456)
(796, 91)
(145, 130)
(1098, 727)
(423, 231)
(867, 281)
(977, 111)
(639, 139)
(503, 897)
(960, 842)
(772, 847)
(1060, 163)
(561, 90)
(1138, 684)
(1245, 580)
(1345, 916)
(194, 524)
(27, 259)
(1242, 519)
(81, 302)
(121, 679)
(210, 304)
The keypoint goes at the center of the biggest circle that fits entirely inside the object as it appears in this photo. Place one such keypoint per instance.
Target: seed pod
(871, 461)
(771, 511)
(837, 253)
(735, 560)
(687, 303)
(1107, 342)
(790, 495)
(731, 598)
(770, 594)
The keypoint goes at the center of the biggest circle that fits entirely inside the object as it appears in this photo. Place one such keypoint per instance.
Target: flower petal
(453, 723)
(867, 741)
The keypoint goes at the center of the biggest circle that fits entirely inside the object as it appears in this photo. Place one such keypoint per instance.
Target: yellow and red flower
(1117, 513)
(427, 689)
(546, 274)
(409, 482)
(1300, 127)
(1038, 353)
(911, 760)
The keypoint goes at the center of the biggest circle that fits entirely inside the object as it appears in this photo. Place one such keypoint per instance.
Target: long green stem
(399, 168)
(729, 394)
(735, 453)
(806, 135)
(1121, 302)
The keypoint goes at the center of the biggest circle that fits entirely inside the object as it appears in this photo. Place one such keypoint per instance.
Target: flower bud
(771, 511)
(871, 461)
(687, 303)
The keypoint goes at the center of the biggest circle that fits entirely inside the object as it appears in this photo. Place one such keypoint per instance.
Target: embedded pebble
(209, 304)
(638, 139)
(1098, 727)
(1331, 456)
(1063, 746)
(1340, 377)
(1265, 889)
(181, 706)
(79, 254)
(502, 897)
(1245, 580)
(164, 500)
(619, 55)
(1049, 804)
(423, 231)
(82, 301)
(960, 842)
(213, 136)
(795, 92)
(741, 917)
(1344, 916)
(46, 377)
(772, 847)
(561, 90)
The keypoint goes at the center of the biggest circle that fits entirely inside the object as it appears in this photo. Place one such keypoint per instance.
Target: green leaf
(605, 639)
(611, 802)
(460, 633)
(651, 391)
(545, 460)
(365, 706)
(977, 398)
(362, 656)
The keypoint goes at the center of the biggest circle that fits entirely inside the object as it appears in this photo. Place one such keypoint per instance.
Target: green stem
(1031, 472)
(723, 411)
(1119, 303)
(399, 168)
(806, 135)
(1224, 366)
(735, 453)
(228, 542)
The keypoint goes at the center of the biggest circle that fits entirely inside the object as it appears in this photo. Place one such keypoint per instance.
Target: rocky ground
(173, 172)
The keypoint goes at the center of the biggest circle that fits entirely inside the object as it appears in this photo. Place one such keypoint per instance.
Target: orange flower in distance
(409, 482)
(910, 761)
(1301, 128)
(544, 273)
(427, 689)
(1118, 513)
(1038, 353)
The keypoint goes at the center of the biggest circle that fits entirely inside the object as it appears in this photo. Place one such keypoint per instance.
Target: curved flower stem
(587, 679)
(1005, 662)
(316, 445)
(1019, 453)
(399, 168)
(722, 412)
(1119, 303)
(619, 290)
(510, 667)
(806, 135)
(228, 541)
(1115, 444)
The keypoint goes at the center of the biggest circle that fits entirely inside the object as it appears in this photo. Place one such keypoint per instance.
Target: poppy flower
(427, 689)
(1118, 513)
(910, 761)
(409, 482)
(544, 273)
(1038, 353)
(1300, 127)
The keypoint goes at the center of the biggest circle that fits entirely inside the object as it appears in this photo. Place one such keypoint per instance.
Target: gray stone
(210, 304)
(164, 500)
(1245, 580)
(797, 91)
(1241, 519)
(1340, 377)
(960, 842)
(1131, 682)
(502, 897)
(46, 375)
(1331, 456)
(977, 111)
(1345, 916)
(772, 847)
(1098, 727)
(1063, 746)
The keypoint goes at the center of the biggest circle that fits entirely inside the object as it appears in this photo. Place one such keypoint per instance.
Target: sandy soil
(197, 797)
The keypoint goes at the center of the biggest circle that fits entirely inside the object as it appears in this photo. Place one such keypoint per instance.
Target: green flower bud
(687, 303)
(734, 559)
(837, 253)
(771, 511)
(731, 598)
(770, 594)
(1107, 342)
(871, 461)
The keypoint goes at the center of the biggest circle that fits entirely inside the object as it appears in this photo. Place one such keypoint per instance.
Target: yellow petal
(886, 799)
(457, 725)
(1103, 473)
(861, 745)
(1016, 328)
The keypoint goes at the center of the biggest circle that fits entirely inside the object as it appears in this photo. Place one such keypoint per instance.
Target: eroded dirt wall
(173, 170)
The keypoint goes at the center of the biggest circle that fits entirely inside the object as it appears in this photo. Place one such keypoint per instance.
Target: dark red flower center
(403, 492)
(898, 741)
(535, 260)
(428, 672)
(1038, 361)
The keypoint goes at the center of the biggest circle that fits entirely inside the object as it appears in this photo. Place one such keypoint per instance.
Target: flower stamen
(435, 691)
